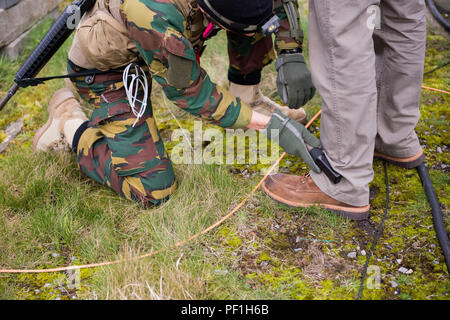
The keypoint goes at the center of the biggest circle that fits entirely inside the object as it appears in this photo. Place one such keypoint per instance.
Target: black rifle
(52, 41)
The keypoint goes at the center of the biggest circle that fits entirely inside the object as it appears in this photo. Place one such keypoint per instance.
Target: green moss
(52, 286)
(229, 237)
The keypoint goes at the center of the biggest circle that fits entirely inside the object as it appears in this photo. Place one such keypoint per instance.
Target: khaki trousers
(370, 81)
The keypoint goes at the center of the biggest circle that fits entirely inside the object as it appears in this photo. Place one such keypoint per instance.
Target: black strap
(26, 82)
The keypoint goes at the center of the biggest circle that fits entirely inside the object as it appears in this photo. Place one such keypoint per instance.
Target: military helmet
(242, 16)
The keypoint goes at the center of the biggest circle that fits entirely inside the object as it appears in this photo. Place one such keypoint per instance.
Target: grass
(51, 215)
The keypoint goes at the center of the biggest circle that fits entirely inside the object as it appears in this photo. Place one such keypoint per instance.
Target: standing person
(120, 145)
(370, 81)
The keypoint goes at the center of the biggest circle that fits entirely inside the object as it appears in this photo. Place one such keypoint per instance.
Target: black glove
(294, 81)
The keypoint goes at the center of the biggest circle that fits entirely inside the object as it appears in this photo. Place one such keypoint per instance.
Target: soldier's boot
(407, 163)
(302, 192)
(253, 96)
(65, 117)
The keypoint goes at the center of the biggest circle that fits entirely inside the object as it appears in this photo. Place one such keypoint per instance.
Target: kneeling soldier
(120, 145)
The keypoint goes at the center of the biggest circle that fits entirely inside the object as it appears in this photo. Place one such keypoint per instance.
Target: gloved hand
(293, 138)
(294, 81)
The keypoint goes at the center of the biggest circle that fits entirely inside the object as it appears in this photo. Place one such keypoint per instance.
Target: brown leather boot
(253, 96)
(297, 191)
(407, 163)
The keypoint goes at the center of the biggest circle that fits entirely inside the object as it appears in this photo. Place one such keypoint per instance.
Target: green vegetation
(51, 215)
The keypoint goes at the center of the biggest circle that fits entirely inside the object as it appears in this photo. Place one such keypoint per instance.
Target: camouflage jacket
(159, 29)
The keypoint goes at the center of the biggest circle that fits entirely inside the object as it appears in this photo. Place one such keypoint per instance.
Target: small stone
(436, 262)
(433, 245)
(352, 255)
(12, 130)
(439, 149)
(55, 255)
(410, 271)
(73, 258)
(277, 226)
(363, 253)
(47, 285)
(358, 248)
(37, 291)
(220, 272)
(403, 270)
(297, 240)
(394, 284)
(264, 264)
(399, 261)
(298, 249)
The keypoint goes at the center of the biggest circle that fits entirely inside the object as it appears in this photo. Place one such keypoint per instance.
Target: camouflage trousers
(131, 160)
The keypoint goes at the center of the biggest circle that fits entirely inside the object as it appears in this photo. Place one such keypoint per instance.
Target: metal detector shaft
(438, 220)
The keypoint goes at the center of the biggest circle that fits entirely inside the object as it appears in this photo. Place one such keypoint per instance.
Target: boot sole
(51, 112)
(355, 214)
(403, 164)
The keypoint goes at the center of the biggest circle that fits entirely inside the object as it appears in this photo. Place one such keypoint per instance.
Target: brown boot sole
(59, 97)
(349, 213)
(406, 163)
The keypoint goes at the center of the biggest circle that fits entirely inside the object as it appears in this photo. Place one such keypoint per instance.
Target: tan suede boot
(65, 117)
(253, 96)
(298, 191)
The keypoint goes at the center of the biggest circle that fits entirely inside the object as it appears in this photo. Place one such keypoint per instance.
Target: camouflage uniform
(249, 55)
(132, 160)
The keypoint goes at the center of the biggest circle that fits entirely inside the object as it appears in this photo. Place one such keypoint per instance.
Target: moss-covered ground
(51, 215)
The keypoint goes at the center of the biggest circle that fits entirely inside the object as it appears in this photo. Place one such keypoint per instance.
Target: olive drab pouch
(102, 41)
(195, 21)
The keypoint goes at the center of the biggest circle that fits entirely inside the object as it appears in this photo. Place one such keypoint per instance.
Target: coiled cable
(135, 83)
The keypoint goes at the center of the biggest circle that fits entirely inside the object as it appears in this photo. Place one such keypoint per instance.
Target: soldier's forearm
(258, 121)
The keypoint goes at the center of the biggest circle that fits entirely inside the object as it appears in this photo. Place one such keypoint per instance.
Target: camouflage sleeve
(284, 40)
(157, 27)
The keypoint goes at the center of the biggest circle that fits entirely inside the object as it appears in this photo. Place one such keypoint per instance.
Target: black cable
(437, 15)
(379, 232)
(437, 68)
(438, 220)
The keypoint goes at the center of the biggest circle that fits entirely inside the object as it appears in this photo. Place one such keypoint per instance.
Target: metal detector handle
(322, 162)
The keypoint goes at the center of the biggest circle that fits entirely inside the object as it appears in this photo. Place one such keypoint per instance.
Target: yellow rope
(183, 242)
